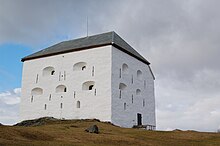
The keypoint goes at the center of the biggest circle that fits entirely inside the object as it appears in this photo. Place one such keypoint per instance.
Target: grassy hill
(72, 132)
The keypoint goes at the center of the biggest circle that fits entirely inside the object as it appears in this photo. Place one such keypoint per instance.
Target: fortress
(98, 76)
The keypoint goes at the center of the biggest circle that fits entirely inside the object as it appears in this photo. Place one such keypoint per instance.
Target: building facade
(98, 77)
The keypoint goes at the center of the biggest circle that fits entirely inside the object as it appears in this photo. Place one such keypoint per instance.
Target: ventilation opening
(47, 71)
(79, 66)
(36, 91)
(78, 104)
(61, 88)
(138, 92)
(139, 75)
(89, 85)
(125, 68)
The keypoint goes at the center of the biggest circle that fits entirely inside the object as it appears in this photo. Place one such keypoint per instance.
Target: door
(139, 119)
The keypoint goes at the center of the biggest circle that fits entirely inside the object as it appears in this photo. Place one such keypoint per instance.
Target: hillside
(72, 132)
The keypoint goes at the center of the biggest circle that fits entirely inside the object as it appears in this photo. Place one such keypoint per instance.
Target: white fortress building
(98, 76)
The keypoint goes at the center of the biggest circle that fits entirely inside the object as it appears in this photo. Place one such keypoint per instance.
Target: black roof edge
(122, 49)
(66, 51)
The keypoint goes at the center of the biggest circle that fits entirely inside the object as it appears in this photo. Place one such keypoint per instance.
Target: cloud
(179, 38)
(9, 106)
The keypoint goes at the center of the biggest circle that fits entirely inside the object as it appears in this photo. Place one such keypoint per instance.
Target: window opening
(132, 98)
(53, 72)
(78, 104)
(32, 98)
(37, 78)
(50, 97)
(84, 67)
(91, 87)
(93, 70)
(125, 106)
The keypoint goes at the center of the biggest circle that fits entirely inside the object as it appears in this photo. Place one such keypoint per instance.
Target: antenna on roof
(87, 25)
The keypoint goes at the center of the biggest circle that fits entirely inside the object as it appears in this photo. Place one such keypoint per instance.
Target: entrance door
(139, 119)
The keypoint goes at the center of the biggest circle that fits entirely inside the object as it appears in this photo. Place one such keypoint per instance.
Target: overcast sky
(181, 39)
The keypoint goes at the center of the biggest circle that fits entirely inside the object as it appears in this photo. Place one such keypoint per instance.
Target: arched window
(61, 88)
(139, 74)
(138, 92)
(78, 104)
(79, 66)
(89, 85)
(48, 71)
(122, 86)
(125, 68)
(45, 106)
(36, 91)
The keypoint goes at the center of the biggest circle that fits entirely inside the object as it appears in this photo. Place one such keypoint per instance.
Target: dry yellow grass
(71, 133)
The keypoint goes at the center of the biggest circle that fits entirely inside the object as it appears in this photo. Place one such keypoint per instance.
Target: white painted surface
(106, 105)
(92, 106)
(128, 117)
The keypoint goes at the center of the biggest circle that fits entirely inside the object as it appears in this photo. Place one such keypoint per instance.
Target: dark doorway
(139, 119)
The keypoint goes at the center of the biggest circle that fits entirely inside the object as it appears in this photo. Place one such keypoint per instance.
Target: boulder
(93, 129)
(1, 124)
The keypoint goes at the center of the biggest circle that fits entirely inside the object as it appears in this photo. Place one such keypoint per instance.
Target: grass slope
(72, 132)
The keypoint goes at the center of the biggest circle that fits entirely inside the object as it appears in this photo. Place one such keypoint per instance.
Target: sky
(179, 38)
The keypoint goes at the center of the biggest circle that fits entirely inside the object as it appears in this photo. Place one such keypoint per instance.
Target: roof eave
(65, 51)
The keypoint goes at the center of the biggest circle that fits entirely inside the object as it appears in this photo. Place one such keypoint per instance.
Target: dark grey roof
(109, 38)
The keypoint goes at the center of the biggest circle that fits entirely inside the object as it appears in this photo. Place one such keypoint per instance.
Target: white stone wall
(128, 117)
(92, 106)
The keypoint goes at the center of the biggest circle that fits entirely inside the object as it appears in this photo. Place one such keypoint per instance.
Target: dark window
(125, 106)
(84, 67)
(32, 98)
(37, 78)
(132, 80)
(93, 70)
(45, 107)
(53, 72)
(50, 97)
(132, 99)
(91, 87)
(78, 104)
(61, 105)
